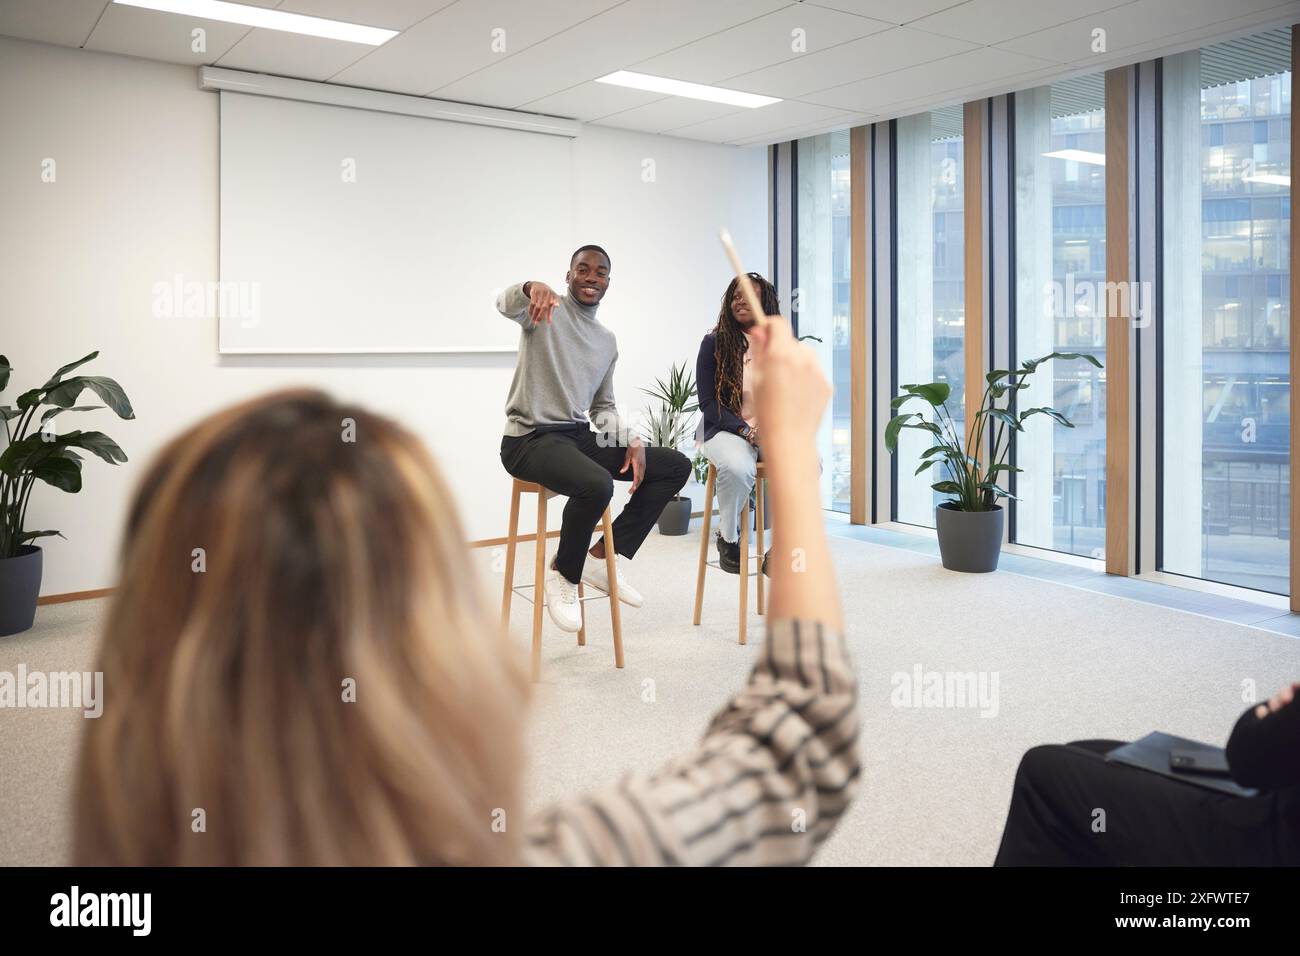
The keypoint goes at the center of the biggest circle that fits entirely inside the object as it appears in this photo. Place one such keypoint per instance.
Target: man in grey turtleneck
(564, 377)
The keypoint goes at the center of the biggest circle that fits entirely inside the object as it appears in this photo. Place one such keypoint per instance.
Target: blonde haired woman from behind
(331, 570)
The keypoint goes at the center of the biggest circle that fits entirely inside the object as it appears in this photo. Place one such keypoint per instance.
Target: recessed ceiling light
(1079, 156)
(1271, 179)
(694, 91)
(268, 19)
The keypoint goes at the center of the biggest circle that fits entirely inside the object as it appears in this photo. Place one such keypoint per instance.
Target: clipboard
(1151, 753)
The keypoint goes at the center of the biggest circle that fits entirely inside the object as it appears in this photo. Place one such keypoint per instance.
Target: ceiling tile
(65, 22)
(1128, 26)
(992, 21)
(669, 113)
(891, 11)
(856, 65)
(838, 122)
(317, 58)
(750, 123)
(1198, 37)
(591, 101)
(289, 54)
(856, 60)
(964, 94)
(164, 36)
(389, 14)
(965, 70)
(613, 40)
(458, 40)
(762, 42)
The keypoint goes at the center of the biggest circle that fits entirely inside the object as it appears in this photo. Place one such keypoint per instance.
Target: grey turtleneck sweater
(566, 367)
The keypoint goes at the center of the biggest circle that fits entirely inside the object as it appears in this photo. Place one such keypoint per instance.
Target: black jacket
(1264, 751)
(717, 417)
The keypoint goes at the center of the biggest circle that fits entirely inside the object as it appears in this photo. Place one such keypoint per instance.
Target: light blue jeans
(735, 459)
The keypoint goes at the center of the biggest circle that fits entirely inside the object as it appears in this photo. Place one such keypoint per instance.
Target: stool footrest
(753, 558)
(529, 591)
(521, 588)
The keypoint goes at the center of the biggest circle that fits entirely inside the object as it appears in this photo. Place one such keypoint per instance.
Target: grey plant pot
(20, 585)
(969, 540)
(675, 519)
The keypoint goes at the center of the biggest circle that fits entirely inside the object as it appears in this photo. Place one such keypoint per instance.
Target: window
(931, 287)
(1060, 296)
(822, 293)
(1226, 354)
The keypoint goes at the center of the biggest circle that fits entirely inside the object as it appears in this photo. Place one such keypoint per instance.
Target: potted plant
(35, 452)
(970, 523)
(700, 465)
(667, 427)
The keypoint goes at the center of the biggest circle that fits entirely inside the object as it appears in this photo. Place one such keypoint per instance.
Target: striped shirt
(774, 773)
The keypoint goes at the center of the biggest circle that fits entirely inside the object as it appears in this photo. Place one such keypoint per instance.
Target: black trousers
(1150, 820)
(574, 464)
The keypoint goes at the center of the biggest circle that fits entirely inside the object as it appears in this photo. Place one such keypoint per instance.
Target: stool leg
(615, 616)
(704, 542)
(758, 512)
(539, 586)
(744, 571)
(582, 618)
(511, 537)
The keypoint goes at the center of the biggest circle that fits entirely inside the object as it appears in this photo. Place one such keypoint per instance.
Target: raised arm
(791, 393)
(1264, 749)
(779, 764)
(528, 303)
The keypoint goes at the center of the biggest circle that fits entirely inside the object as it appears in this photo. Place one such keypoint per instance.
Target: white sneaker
(595, 574)
(562, 602)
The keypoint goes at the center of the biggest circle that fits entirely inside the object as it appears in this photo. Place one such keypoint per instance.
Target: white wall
(135, 202)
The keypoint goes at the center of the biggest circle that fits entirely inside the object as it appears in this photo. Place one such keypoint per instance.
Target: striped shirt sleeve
(774, 773)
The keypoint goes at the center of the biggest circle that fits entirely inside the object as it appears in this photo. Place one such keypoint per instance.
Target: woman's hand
(1277, 701)
(790, 388)
(791, 393)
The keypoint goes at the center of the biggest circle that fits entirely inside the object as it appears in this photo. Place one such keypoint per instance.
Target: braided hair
(730, 344)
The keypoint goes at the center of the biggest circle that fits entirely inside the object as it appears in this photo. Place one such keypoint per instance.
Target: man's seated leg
(556, 461)
(666, 471)
(1069, 807)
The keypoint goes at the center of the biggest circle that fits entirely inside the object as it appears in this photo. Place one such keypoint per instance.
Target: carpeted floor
(1068, 664)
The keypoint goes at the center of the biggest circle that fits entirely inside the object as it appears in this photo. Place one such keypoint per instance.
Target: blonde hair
(325, 561)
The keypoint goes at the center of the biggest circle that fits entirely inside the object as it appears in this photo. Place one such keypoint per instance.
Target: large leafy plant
(669, 425)
(35, 452)
(973, 479)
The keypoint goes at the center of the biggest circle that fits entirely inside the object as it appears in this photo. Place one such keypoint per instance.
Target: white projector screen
(346, 230)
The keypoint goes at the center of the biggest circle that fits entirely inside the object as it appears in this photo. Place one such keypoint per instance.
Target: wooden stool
(760, 480)
(539, 576)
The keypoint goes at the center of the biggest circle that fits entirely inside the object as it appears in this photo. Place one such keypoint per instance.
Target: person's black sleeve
(714, 412)
(1264, 752)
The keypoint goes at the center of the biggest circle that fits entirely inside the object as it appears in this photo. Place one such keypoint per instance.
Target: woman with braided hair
(726, 401)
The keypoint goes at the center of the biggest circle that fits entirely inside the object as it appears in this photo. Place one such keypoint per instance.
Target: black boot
(765, 557)
(728, 555)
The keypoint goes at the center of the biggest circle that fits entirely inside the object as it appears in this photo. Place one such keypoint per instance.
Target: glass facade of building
(1060, 229)
(1218, 314)
(821, 293)
(1226, 363)
(930, 328)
